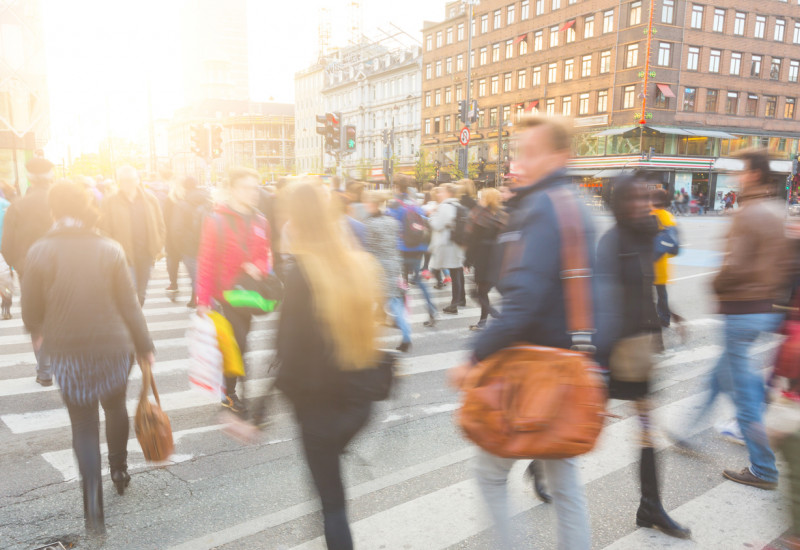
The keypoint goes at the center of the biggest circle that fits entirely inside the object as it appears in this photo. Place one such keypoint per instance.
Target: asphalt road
(408, 474)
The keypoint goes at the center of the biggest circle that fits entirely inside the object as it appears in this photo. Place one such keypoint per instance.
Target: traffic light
(216, 142)
(350, 138)
(336, 131)
(462, 111)
(322, 125)
(472, 113)
(198, 135)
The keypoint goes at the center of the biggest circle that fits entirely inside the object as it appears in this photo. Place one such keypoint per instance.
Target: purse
(151, 424)
(632, 358)
(529, 401)
(373, 383)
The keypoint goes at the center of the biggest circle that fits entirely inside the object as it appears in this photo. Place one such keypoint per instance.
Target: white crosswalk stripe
(446, 515)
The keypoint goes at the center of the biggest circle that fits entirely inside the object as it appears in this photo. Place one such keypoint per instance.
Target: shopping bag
(232, 363)
(151, 423)
(205, 367)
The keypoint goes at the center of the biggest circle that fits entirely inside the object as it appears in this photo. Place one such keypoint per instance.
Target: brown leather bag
(152, 426)
(529, 401)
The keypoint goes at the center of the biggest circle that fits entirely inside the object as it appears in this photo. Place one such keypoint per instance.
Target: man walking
(132, 217)
(445, 253)
(533, 310)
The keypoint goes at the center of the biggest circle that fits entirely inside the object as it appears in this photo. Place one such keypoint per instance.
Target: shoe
(729, 431)
(404, 347)
(536, 474)
(651, 513)
(462, 303)
(44, 382)
(480, 325)
(172, 288)
(431, 322)
(233, 403)
(447, 280)
(93, 516)
(746, 477)
(438, 286)
(191, 304)
(426, 274)
(451, 310)
(121, 479)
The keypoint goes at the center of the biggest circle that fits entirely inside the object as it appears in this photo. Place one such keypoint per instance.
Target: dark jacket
(116, 222)
(188, 216)
(77, 293)
(483, 227)
(26, 221)
(530, 252)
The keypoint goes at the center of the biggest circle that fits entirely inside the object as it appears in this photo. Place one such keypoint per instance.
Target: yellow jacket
(661, 266)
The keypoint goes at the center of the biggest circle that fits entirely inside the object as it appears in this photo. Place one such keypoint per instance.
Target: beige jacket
(115, 222)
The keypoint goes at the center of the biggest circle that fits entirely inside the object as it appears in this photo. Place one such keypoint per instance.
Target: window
(539, 7)
(510, 15)
(537, 41)
(482, 87)
(780, 30)
(635, 14)
(493, 116)
(713, 61)
(605, 62)
(719, 21)
(521, 79)
(628, 97)
(608, 22)
(459, 93)
(775, 69)
(697, 17)
(664, 54)
(427, 126)
(551, 107)
(736, 63)
(583, 104)
(751, 106)
(732, 103)
(588, 27)
(495, 52)
(552, 73)
(566, 106)
(498, 19)
(569, 69)
(482, 59)
(586, 66)
(507, 80)
(428, 73)
(689, 96)
(571, 34)
(438, 69)
(739, 23)
(436, 125)
(427, 99)
(794, 69)
(711, 100)
(668, 11)
(437, 98)
(536, 76)
(602, 101)
(429, 42)
(523, 46)
(448, 65)
(553, 37)
(447, 127)
(788, 108)
(755, 68)
(796, 38)
(460, 62)
(509, 49)
(439, 39)
(631, 55)
(484, 23)
(495, 85)
(555, 4)
(770, 106)
(460, 32)
(692, 59)
(661, 101)
(525, 10)
(448, 95)
(472, 58)
(761, 22)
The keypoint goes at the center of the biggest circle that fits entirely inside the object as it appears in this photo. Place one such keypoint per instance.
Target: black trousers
(457, 282)
(240, 323)
(483, 299)
(173, 263)
(326, 430)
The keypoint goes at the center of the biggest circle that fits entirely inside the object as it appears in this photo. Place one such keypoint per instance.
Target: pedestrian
(486, 221)
(326, 329)
(193, 205)
(270, 204)
(79, 302)
(355, 201)
(235, 242)
(172, 227)
(132, 217)
(27, 220)
(412, 241)
(445, 253)
(429, 206)
(6, 275)
(625, 274)
(755, 274)
(659, 199)
(533, 310)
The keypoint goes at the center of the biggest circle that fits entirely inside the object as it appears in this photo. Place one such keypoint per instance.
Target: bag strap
(148, 382)
(576, 274)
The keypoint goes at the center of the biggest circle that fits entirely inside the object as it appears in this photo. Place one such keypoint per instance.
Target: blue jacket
(398, 210)
(533, 299)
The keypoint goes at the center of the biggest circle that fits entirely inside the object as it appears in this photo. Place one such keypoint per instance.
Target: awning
(736, 165)
(520, 38)
(614, 131)
(666, 90)
(671, 131)
(712, 134)
(531, 105)
(566, 25)
(611, 173)
(579, 172)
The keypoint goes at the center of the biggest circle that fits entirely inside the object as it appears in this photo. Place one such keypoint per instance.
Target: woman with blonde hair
(326, 331)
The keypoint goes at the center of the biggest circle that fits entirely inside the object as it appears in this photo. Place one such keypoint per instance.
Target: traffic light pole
(464, 159)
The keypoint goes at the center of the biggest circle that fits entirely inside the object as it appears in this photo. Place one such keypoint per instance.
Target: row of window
(700, 15)
(754, 105)
(734, 66)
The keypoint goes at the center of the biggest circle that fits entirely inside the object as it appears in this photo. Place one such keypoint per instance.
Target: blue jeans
(736, 375)
(191, 266)
(411, 263)
(398, 308)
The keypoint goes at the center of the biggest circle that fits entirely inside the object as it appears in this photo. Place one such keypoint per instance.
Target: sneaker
(447, 280)
(438, 286)
(746, 477)
(404, 347)
(730, 431)
(426, 274)
(431, 322)
(451, 310)
(44, 382)
(233, 403)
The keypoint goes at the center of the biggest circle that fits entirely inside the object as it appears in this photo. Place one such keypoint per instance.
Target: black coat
(78, 294)
(482, 230)
(26, 221)
(186, 216)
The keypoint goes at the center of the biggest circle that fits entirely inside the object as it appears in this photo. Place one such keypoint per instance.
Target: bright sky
(101, 52)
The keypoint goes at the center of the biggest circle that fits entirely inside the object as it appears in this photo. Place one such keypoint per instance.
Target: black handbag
(373, 383)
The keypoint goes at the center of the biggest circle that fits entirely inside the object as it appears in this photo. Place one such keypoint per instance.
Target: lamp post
(500, 127)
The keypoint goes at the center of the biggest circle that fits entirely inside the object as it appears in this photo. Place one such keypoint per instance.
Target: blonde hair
(560, 129)
(344, 279)
(492, 198)
(467, 187)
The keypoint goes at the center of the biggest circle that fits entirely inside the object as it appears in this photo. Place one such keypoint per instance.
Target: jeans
(398, 308)
(240, 323)
(662, 305)
(736, 375)
(326, 429)
(140, 275)
(411, 263)
(457, 278)
(568, 497)
(483, 299)
(191, 266)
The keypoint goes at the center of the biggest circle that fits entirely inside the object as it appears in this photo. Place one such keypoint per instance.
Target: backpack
(666, 242)
(416, 231)
(459, 232)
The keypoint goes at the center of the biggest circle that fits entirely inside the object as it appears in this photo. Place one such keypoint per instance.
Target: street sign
(463, 138)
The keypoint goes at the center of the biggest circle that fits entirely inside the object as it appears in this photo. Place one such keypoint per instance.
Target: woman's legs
(117, 430)
(86, 444)
(483, 299)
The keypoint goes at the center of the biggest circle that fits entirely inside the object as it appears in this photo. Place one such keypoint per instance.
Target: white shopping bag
(205, 367)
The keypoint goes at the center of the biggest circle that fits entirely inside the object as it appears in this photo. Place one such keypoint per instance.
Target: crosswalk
(408, 478)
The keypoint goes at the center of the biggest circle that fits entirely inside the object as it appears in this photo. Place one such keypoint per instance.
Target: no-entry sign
(463, 138)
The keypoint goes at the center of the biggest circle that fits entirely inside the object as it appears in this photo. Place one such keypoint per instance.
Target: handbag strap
(148, 382)
(576, 273)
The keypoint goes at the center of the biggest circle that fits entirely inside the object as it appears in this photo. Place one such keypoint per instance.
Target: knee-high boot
(651, 513)
(93, 507)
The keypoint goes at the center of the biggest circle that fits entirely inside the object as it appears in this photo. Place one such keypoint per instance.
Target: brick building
(722, 77)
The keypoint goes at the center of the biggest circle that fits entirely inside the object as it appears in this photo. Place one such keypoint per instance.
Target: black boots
(93, 507)
(121, 479)
(537, 476)
(651, 513)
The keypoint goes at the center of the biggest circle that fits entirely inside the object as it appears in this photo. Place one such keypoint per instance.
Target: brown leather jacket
(758, 259)
(115, 222)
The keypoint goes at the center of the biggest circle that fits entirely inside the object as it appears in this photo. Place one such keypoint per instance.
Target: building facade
(720, 77)
(308, 103)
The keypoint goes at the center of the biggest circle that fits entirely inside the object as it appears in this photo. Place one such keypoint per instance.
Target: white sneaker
(729, 430)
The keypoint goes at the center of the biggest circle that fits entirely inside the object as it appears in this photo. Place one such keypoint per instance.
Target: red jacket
(219, 264)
